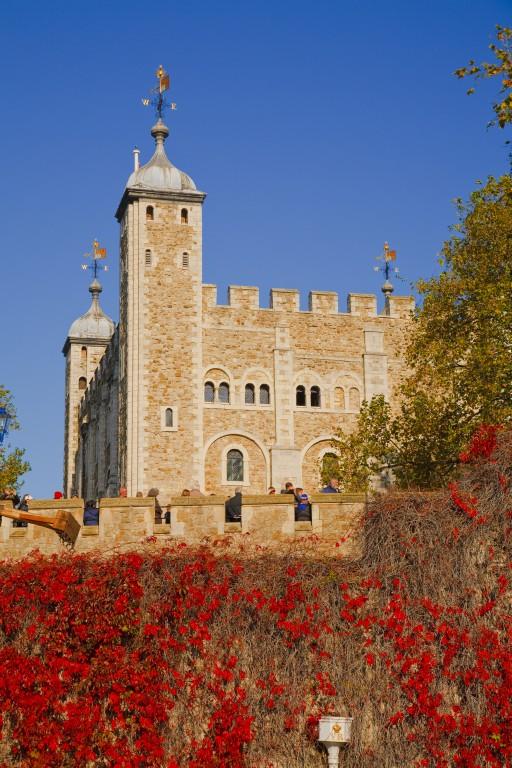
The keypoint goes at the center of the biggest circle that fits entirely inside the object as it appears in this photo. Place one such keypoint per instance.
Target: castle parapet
(399, 306)
(243, 297)
(209, 295)
(323, 302)
(362, 304)
(285, 299)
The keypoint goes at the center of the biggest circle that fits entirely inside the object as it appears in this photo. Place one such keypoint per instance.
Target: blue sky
(318, 130)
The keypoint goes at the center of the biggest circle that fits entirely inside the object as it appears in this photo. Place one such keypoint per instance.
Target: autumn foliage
(227, 655)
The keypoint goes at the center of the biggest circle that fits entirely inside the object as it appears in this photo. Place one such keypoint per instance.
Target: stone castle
(186, 392)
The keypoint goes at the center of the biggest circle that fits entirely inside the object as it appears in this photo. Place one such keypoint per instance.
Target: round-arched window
(249, 394)
(82, 382)
(264, 394)
(300, 395)
(168, 417)
(209, 392)
(235, 466)
(315, 397)
(224, 392)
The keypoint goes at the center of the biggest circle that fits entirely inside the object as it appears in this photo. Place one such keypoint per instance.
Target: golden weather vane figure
(387, 257)
(97, 254)
(156, 98)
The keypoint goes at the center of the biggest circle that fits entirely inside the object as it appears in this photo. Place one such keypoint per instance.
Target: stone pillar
(285, 458)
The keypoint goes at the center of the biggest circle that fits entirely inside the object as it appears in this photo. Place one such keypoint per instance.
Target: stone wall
(127, 523)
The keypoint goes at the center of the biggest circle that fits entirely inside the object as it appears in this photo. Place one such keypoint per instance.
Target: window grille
(235, 466)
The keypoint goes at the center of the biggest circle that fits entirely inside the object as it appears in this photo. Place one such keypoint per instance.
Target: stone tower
(84, 347)
(160, 339)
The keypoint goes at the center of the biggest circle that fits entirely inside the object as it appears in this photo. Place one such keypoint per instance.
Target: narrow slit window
(209, 392)
(235, 466)
(185, 261)
(169, 421)
(150, 213)
(148, 258)
(300, 395)
(264, 394)
(83, 357)
(184, 216)
(315, 397)
(82, 382)
(249, 394)
(224, 392)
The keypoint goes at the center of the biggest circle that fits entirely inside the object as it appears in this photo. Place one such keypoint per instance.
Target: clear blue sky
(318, 130)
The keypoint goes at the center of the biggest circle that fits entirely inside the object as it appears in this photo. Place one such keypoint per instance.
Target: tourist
(23, 507)
(271, 490)
(288, 488)
(153, 494)
(57, 495)
(194, 491)
(185, 492)
(302, 506)
(332, 486)
(123, 492)
(139, 495)
(233, 507)
(91, 513)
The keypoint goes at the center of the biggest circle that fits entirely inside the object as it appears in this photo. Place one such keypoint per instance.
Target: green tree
(459, 357)
(500, 68)
(12, 463)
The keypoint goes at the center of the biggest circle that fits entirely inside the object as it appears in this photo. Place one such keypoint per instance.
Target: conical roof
(159, 173)
(94, 324)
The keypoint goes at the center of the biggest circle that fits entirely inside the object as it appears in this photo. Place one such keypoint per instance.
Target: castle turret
(84, 347)
(160, 405)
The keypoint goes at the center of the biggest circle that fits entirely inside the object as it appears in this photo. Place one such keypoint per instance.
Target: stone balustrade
(128, 522)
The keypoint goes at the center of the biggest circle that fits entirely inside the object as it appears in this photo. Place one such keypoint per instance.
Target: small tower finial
(136, 153)
(387, 257)
(156, 99)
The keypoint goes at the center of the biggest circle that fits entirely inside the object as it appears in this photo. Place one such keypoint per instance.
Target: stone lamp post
(333, 732)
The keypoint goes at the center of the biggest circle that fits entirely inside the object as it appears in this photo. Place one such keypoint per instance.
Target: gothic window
(184, 216)
(185, 262)
(264, 394)
(168, 417)
(224, 392)
(339, 398)
(249, 394)
(235, 466)
(300, 395)
(148, 258)
(83, 357)
(82, 382)
(315, 397)
(354, 399)
(150, 213)
(209, 392)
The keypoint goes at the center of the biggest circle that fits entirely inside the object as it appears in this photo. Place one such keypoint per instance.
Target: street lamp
(333, 732)
(5, 418)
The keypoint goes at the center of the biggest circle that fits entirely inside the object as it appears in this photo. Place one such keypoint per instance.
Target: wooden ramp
(62, 522)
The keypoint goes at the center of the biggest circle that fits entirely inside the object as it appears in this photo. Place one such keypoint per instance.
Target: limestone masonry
(189, 393)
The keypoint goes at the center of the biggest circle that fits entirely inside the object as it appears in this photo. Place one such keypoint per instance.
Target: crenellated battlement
(319, 302)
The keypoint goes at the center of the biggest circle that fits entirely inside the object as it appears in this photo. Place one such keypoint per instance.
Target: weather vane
(96, 255)
(157, 99)
(387, 257)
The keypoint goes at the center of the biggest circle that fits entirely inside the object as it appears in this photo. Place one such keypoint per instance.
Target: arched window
(354, 399)
(150, 213)
(185, 262)
(82, 382)
(184, 216)
(224, 392)
(329, 466)
(339, 398)
(168, 417)
(235, 466)
(264, 394)
(300, 395)
(315, 397)
(249, 394)
(83, 357)
(148, 258)
(209, 392)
